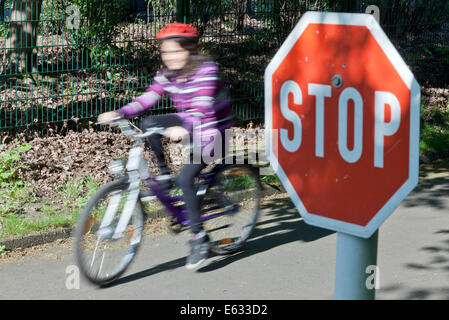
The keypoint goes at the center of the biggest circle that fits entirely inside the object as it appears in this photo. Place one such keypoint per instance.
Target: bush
(98, 19)
(10, 163)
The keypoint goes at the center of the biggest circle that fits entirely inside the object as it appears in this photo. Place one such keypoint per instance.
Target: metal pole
(179, 11)
(186, 11)
(182, 11)
(354, 256)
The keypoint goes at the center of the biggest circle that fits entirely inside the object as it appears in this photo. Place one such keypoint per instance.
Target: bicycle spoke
(102, 260)
(100, 257)
(231, 207)
(94, 253)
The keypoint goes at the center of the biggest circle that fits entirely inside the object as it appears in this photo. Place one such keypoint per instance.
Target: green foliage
(238, 183)
(444, 53)
(270, 179)
(163, 7)
(74, 196)
(443, 50)
(102, 55)
(83, 188)
(434, 138)
(13, 191)
(434, 127)
(95, 25)
(16, 225)
(2, 250)
(4, 27)
(410, 57)
(175, 192)
(10, 163)
(436, 113)
(98, 20)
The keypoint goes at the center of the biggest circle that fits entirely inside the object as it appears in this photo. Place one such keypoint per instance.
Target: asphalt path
(285, 259)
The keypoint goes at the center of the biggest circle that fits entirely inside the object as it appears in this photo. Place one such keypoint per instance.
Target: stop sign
(342, 122)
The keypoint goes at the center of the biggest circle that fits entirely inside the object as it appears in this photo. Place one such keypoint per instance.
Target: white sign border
(390, 51)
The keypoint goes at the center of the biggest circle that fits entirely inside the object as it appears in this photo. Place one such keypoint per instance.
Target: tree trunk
(21, 42)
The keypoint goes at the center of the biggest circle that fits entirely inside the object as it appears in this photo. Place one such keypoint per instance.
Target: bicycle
(109, 231)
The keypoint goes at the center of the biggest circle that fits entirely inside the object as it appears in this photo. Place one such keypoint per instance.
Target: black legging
(188, 172)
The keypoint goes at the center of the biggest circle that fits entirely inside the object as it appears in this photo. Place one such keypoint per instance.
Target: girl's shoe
(199, 250)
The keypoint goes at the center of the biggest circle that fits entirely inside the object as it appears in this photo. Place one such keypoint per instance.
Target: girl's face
(173, 55)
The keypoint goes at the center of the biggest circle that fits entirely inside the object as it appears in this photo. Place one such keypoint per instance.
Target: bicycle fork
(137, 169)
(131, 201)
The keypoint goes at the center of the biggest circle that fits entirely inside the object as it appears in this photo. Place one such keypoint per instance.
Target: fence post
(182, 11)
(179, 10)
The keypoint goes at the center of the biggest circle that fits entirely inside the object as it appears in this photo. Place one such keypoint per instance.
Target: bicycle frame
(178, 212)
(138, 171)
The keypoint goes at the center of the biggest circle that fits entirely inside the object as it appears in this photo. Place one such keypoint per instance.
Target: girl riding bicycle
(203, 107)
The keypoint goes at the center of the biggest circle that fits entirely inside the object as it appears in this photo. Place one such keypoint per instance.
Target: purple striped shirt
(201, 100)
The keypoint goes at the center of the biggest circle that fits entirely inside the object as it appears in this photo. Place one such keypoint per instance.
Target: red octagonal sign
(342, 122)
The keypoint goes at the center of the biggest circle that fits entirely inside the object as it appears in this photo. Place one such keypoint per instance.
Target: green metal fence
(64, 62)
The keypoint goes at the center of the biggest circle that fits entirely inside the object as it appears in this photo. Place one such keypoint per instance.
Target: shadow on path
(437, 264)
(279, 224)
(431, 192)
(283, 226)
(433, 187)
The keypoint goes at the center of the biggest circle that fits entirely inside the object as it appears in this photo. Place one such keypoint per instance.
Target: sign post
(354, 256)
(342, 133)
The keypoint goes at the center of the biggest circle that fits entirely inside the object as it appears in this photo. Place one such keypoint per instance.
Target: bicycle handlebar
(150, 131)
(115, 120)
(128, 130)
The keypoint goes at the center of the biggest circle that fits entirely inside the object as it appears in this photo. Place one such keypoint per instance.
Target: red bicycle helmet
(176, 29)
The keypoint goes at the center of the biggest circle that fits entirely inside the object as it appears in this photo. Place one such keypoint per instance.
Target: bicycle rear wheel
(232, 203)
(101, 258)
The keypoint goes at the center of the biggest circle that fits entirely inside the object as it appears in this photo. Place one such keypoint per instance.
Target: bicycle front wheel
(102, 256)
(231, 207)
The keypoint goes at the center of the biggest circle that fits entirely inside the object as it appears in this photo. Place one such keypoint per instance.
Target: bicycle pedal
(148, 198)
(146, 195)
(201, 190)
(166, 181)
(164, 177)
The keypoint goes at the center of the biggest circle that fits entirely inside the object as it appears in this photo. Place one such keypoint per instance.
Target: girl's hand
(176, 133)
(107, 116)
